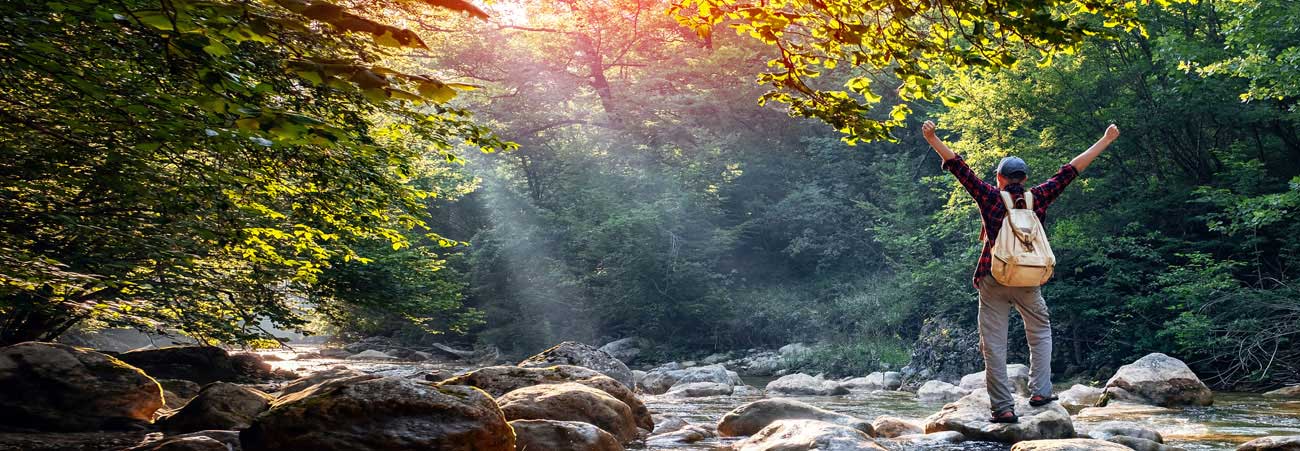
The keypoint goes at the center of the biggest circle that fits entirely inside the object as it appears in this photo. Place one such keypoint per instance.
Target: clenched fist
(1112, 132)
(927, 130)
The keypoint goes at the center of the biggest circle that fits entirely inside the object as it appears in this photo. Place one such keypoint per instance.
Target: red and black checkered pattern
(990, 203)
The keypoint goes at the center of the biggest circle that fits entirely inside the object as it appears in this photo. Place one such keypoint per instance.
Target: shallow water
(1233, 419)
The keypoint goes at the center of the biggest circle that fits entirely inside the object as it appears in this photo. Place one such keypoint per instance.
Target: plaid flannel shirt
(992, 210)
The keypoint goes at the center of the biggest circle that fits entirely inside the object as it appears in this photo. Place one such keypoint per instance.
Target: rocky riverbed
(58, 398)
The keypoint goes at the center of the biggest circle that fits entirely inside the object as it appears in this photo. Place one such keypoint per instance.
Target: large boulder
(586, 356)
(50, 386)
(201, 364)
(890, 427)
(625, 350)
(1158, 379)
(565, 435)
(1273, 443)
(804, 385)
(499, 380)
(383, 414)
(970, 416)
(1285, 392)
(1077, 444)
(753, 417)
(940, 391)
(1017, 373)
(801, 435)
(661, 380)
(1079, 397)
(759, 363)
(571, 402)
(873, 381)
(699, 390)
(219, 406)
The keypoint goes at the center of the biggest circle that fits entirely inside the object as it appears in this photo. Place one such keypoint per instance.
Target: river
(1233, 419)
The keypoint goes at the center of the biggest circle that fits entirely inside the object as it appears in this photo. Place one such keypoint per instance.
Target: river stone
(586, 356)
(1075, 444)
(699, 390)
(890, 427)
(873, 381)
(801, 435)
(56, 387)
(1141, 444)
(319, 377)
(625, 350)
(689, 434)
(499, 380)
(1017, 373)
(220, 405)
(1273, 443)
(794, 350)
(571, 402)
(1123, 410)
(753, 417)
(1160, 380)
(177, 392)
(1106, 430)
(1285, 392)
(661, 380)
(913, 441)
(940, 391)
(562, 435)
(201, 364)
(804, 385)
(669, 423)
(970, 416)
(371, 354)
(1079, 397)
(384, 414)
(229, 441)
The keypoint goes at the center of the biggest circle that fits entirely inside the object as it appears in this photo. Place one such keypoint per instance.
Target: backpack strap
(1011, 203)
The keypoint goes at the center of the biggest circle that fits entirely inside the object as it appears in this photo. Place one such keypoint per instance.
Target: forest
(706, 175)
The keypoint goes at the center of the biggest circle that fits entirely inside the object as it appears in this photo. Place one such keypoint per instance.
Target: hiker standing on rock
(1019, 263)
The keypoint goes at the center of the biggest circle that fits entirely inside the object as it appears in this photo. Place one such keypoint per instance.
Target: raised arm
(927, 130)
(1084, 159)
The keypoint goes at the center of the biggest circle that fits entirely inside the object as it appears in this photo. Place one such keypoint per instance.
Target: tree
(859, 44)
(188, 164)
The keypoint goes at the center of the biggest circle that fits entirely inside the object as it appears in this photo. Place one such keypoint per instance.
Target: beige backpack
(1022, 257)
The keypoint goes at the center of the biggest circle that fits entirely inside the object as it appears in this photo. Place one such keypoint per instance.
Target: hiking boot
(1040, 400)
(1005, 416)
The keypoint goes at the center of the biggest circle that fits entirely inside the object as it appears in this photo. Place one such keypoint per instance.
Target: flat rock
(319, 377)
(1273, 443)
(970, 416)
(911, 441)
(1017, 373)
(371, 354)
(1141, 444)
(213, 440)
(562, 435)
(586, 356)
(1123, 410)
(753, 417)
(1076, 444)
(56, 387)
(381, 414)
(890, 427)
(571, 402)
(1160, 380)
(1106, 430)
(801, 435)
(940, 391)
(219, 406)
(699, 390)
(499, 380)
(804, 385)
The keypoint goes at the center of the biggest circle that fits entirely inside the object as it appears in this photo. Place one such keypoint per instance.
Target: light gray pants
(996, 301)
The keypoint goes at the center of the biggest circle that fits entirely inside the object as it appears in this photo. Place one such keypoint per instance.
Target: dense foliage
(650, 198)
(194, 164)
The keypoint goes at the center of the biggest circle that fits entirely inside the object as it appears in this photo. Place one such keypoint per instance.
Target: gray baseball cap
(1010, 166)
